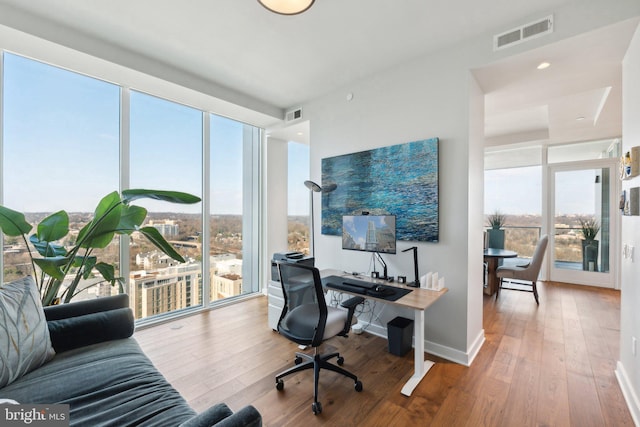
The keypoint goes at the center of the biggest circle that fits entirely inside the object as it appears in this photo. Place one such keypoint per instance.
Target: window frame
(252, 160)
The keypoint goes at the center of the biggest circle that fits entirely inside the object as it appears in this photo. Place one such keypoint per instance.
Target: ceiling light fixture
(287, 7)
(544, 65)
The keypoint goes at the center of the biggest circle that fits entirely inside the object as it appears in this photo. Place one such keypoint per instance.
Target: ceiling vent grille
(523, 33)
(293, 115)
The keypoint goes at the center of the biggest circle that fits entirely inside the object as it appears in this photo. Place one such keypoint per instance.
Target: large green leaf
(46, 248)
(51, 265)
(13, 223)
(167, 196)
(100, 231)
(89, 263)
(54, 227)
(131, 218)
(107, 271)
(156, 238)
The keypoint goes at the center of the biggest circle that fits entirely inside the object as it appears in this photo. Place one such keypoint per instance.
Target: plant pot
(495, 238)
(590, 255)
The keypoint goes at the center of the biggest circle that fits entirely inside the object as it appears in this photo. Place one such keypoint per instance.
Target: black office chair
(307, 320)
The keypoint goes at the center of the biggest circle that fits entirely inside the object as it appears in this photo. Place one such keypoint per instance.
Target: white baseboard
(436, 349)
(627, 391)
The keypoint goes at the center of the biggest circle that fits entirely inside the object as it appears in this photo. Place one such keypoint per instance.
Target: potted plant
(496, 234)
(114, 215)
(590, 227)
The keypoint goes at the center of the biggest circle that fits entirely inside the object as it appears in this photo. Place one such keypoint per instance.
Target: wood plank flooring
(547, 365)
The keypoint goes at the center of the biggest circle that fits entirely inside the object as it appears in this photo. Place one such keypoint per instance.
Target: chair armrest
(221, 416)
(350, 305)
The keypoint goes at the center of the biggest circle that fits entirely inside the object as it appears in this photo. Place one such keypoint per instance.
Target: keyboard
(333, 280)
(355, 286)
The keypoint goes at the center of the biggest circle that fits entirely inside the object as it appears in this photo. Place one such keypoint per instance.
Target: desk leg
(421, 366)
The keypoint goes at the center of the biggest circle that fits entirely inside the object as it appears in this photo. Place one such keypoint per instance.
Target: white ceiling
(285, 61)
(524, 104)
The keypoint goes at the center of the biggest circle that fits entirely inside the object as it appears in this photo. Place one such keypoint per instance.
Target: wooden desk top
(418, 299)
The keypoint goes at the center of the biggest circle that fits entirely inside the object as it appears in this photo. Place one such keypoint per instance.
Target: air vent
(523, 33)
(293, 115)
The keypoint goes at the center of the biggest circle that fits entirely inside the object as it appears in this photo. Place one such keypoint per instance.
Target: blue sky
(61, 144)
(298, 194)
(518, 191)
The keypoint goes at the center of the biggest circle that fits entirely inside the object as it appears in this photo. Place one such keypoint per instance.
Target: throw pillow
(24, 337)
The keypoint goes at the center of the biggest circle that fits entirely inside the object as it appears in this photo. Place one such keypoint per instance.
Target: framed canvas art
(400, 180)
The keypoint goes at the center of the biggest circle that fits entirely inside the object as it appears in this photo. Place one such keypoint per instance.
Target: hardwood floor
(547, 365)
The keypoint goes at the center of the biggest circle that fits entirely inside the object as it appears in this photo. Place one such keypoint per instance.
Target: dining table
(492, 257)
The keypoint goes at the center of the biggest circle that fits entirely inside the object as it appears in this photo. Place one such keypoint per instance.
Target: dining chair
(526, 274)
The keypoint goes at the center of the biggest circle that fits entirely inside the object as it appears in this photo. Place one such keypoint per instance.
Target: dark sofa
(105, 377)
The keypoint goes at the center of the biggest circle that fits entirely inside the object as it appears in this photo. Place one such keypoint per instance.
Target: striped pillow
(24, 337)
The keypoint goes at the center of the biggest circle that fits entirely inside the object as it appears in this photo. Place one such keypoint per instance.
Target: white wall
(426, 98)
(274, 190)
(628, 369)
(475, 238)
(434, 96)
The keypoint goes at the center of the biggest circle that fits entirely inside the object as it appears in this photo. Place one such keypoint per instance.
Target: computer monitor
(369, 233)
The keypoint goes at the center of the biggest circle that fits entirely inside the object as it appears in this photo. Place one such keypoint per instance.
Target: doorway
(583, 221)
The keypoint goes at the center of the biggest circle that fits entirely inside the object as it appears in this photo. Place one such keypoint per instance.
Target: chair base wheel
(316, 407)
(358, 386)
(340, 360)
(279, 385)
(298, 360)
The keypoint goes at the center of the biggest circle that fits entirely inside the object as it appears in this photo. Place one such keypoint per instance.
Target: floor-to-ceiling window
(233, 207)
(298, 197)
(69, 139)
(60, 151)
(557, 190)
(165, 147)
(513, 188)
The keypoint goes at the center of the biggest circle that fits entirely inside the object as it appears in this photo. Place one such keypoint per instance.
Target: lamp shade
(287, 7)
(313, 186)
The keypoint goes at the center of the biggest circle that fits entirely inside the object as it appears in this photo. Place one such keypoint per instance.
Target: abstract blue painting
(400, 180)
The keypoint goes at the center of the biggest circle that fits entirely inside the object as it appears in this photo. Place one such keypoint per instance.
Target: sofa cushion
(24, 337)
(110, 383)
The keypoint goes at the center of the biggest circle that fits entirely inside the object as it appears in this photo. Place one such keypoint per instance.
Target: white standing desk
(418, 300)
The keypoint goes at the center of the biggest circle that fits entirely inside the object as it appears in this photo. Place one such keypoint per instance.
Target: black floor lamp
(315, 188)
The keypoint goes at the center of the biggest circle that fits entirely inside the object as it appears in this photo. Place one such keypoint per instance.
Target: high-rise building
(167, 227)
(165, 290)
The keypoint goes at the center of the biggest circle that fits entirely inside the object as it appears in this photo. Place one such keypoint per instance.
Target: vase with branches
(589, 227)
(497, 220)
(495, 235)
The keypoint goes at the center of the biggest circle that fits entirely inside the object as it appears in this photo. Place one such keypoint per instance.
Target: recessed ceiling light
(543, 65)
(579, 118)
(300, 133)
